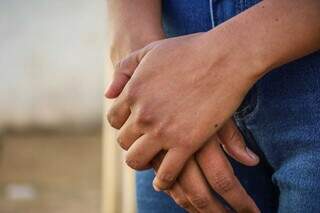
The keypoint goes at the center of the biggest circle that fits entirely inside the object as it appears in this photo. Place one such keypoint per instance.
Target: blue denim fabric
(279, 118)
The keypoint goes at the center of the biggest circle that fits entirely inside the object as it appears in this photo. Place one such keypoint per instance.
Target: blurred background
(52, 64)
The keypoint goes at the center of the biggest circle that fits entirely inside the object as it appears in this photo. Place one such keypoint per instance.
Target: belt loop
(211, 14)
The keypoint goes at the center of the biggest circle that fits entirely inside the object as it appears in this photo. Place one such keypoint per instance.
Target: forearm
(272, 33)
(133, 24)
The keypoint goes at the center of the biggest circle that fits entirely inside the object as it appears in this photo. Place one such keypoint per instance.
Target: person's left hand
(180, 87)
(210, 169)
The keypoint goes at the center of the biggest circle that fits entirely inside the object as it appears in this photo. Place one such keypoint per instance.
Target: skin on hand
(191, 191)
(201, 92)
(211, 169)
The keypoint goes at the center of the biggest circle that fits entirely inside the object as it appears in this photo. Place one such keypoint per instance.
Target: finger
(176, 193)
(141, 153)
(233, 143)
(170, 167)
(220, 176)
(128, 133)
(179, 197)
(122, 74)
(118, 112)
(197, 190)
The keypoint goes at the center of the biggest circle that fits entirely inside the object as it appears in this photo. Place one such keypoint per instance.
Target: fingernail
(155, 187)
(251, 154)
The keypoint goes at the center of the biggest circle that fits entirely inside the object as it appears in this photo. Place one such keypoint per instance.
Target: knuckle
(159, 131)
(113, 119)
(200, 201)
(144, 116)
(131, 93)
(223, 183)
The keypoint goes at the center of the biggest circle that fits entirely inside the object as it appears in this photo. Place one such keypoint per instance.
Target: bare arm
(273, 32)
(132, 25)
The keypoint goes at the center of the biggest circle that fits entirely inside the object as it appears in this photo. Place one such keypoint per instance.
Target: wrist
(124, 42)
(236, 48)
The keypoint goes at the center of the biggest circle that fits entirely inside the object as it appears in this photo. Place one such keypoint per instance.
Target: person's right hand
(210, 165)
(209, 168)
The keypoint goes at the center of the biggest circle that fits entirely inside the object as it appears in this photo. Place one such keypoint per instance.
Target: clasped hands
(173, 105)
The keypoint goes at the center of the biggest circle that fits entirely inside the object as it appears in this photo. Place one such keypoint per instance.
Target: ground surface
(50, 173)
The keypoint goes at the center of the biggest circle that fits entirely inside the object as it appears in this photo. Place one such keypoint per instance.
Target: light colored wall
(52, 69)
(52, 57)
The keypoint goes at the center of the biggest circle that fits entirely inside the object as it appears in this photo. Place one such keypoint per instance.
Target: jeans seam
(211, 14)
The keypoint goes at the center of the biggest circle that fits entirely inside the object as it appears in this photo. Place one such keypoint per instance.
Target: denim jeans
(279, 119)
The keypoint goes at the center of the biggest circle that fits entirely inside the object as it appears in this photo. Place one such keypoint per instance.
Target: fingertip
(250, 163)
(155, 187)
(243, 155)
(113, 90)
(108, 91)
(247, 161)
(254, 158)
(171, 166)
(159, 184)
(109, 94)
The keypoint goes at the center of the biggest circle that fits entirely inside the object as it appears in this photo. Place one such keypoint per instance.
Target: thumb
(122, 74)
(125, 69)
(234, 145)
